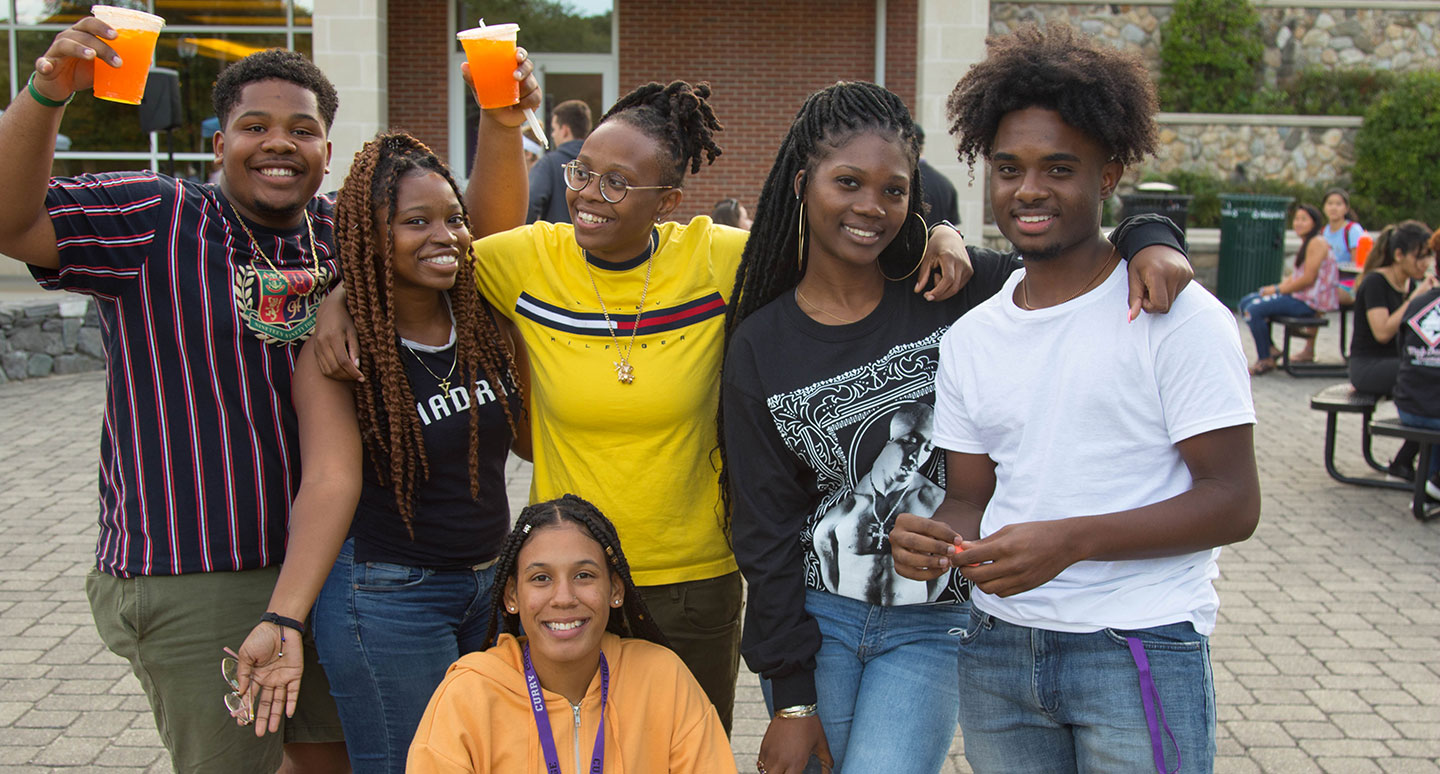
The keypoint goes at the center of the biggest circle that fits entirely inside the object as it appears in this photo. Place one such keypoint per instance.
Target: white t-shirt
(1081, 410)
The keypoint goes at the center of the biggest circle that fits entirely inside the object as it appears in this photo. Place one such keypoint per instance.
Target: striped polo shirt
(199, 456)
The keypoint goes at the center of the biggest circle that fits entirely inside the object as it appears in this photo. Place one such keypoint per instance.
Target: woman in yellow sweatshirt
(591, 688)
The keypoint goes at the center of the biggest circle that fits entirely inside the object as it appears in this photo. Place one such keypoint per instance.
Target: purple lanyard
(1154, 713)
(542, 720)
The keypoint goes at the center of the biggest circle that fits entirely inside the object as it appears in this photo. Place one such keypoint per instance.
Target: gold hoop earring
(919, 260)
(800, 237)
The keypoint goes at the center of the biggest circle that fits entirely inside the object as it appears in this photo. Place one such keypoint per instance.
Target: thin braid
(390, 428)
(632, 619)
(770, 265)
(679, 117)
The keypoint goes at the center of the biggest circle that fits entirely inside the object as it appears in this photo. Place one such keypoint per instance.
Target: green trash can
(1252, 243)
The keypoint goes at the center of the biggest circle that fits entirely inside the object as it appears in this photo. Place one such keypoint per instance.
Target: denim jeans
(1038, 700)
(1429, 423)
(1258, 310)
(386, 633)
(885, 683)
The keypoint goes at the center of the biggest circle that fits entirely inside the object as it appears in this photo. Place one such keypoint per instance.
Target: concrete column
(350, 45)
(952, 38)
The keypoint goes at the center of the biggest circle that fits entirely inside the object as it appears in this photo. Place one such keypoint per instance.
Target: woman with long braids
(590, 677)
(623, 316)
(828, 403)
(402, 499)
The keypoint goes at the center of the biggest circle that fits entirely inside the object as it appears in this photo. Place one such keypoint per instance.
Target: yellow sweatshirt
(656, 720)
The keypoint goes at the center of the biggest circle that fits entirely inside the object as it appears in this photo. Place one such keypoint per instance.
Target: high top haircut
(389, 426)
(632, 619)
(1407, 236)
(769, 266)
(273, 64)
(1319, 221)
(679, 118)
(1101, 91)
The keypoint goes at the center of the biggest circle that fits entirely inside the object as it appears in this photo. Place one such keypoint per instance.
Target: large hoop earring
(800, 238)
(919, 260)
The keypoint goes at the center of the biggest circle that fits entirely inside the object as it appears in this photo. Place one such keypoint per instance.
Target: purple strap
(542, 720)
(1154, 713)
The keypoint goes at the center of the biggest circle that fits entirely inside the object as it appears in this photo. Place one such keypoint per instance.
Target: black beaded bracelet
(280, 620)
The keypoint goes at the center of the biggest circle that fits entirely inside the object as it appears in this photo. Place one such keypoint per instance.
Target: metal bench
(1294, 327)
(1420, 504)
(1343, 399)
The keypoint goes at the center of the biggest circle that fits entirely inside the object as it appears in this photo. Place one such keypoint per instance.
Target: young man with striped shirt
(204, 294)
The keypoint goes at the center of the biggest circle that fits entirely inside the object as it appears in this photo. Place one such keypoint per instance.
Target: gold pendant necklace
(1025, 285)
(254, 245)
(444, 384)
(624, 370)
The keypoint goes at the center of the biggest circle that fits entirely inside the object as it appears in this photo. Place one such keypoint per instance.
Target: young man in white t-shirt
(1095, 463)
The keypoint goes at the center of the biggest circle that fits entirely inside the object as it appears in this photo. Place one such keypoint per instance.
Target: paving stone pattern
(1326, 658)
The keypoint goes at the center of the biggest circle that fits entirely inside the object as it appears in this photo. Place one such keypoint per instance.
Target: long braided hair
(389, 425)
(679, 118)
(632, 619)
(771, 264)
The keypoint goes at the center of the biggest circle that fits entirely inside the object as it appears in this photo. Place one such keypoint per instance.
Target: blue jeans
(1429, 423)
(385, 634)
(1038, 700)
(884, 683)
(1258, 310)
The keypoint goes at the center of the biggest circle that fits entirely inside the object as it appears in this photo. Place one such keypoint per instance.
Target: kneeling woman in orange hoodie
(592, 688)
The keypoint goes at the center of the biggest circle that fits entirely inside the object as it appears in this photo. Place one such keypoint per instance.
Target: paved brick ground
(1327, 657)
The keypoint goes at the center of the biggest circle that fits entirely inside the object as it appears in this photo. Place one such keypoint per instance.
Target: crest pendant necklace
(624, 369)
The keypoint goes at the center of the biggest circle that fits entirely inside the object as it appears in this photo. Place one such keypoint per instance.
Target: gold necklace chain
(829, 314)
(314, 254)
(444, 384)
(624, 370)
(1025, 285)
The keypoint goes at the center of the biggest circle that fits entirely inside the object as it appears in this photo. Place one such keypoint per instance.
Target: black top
(199, 455)
(1375, 292)
(828, 437)
(451, 529)
(547, 184)
(1417, 386)
(939, 194)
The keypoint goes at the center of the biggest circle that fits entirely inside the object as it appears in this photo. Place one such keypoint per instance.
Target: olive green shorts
(702, 621)
(172, 630)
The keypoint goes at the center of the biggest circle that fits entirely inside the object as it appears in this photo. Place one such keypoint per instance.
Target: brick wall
(762, 58)
(419, 48)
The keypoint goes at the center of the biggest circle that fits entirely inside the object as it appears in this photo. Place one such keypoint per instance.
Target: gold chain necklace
(624, 371)
(444, 384)
(314, 254)
(1025, 285)
(816, 307)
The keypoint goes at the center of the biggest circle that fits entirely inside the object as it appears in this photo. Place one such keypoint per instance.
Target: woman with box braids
(402, 506)
(827, 415)
(590, 659)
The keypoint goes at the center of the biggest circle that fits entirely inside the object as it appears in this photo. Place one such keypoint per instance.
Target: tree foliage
(1397, 152)
(1210, 56)
(545, 25)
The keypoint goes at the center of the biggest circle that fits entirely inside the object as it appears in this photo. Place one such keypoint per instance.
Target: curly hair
(769, 267)
(679, 118)
(1101, 91)
(389, 426)
(274, 64)
(632, 619)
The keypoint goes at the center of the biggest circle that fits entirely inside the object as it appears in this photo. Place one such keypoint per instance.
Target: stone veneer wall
(1397, 36)
(1294, 149)
(39, 338)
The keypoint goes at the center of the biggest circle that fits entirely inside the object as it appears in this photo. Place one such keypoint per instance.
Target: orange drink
(135, 45)
(490, 50)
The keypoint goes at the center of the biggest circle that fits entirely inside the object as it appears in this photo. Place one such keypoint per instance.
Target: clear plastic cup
(137, 34)
(490, 50)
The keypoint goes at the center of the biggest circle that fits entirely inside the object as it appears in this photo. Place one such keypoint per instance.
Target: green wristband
(41, 98)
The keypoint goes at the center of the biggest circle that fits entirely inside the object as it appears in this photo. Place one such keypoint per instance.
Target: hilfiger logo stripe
(593, 323)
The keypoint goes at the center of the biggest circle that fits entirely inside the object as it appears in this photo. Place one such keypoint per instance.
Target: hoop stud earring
(800, 237)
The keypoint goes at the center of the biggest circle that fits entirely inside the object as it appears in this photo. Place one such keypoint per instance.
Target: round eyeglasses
(613, 185)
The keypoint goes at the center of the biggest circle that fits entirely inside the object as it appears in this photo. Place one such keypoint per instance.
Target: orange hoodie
(656, 720)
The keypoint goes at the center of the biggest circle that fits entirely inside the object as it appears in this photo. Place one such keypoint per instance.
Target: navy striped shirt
(199, 457)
